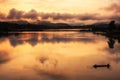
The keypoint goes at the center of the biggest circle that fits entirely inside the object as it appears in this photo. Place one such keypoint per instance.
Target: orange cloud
(114, 8)
(34, 15)
(1, 1)
(2, 16)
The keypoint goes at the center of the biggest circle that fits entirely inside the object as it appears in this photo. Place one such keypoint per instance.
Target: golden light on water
(59, 55)
(54, 55)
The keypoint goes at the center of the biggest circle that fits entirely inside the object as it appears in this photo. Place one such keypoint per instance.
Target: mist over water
(58, 56)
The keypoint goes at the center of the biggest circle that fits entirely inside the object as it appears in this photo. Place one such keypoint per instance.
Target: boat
(101, 66)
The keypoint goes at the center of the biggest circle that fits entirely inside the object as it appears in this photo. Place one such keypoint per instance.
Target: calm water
(58, 56)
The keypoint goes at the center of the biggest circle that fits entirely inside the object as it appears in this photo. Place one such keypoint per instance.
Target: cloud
(49, 75)
(1, 1)
(90, 17)
(114, 57)
(52, 76)
(115, 17)
(2, 16)
(14, 42)
(18, 14)
(15, 14)
(4, 57)
(33, 14)
(58, 16)
(43, 59)
(114, 8)
(16, 39)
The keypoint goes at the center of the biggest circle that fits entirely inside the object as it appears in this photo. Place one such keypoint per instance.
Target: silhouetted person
(111, 43)
(112, 26)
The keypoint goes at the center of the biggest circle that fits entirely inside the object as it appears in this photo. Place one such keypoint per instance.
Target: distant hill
(45, 25)
(19, 22)
(25, 26)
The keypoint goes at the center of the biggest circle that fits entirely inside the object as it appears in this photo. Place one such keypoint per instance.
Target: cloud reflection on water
(56, 56)
(4, 57)
(34, 38)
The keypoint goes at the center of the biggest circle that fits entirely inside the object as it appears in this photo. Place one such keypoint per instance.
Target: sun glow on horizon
(89, 11)
(61, 6)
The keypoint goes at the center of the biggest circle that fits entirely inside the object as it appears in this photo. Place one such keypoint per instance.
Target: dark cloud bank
(15, 14)
(33, 14)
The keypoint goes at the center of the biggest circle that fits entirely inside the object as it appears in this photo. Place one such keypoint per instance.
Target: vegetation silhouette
(111, 32)
(112, 26)
(45, 26)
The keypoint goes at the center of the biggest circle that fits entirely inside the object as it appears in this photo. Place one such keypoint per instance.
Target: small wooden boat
(100, 66)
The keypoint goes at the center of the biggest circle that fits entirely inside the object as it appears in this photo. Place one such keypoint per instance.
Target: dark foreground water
(59, 56)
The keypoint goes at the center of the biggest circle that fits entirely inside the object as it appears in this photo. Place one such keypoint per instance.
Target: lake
(60, 55)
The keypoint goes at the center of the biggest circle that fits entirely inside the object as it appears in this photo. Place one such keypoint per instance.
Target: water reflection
(112, 37)
(48, 37)
(4, 57)
(113, 44)
(58, 56)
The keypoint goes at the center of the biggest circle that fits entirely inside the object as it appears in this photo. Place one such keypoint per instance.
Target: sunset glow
(59, 39)
(71, 7)
(26, 57)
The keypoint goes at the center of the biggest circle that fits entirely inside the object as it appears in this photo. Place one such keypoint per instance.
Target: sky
(69, 11)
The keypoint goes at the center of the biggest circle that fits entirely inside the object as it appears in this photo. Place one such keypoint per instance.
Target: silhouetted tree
(112, 26)
(111, 43)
